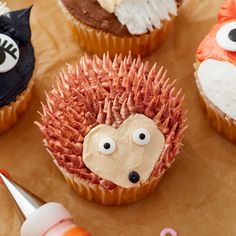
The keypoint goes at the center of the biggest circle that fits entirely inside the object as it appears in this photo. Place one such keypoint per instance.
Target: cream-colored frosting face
(135, 146)
(109, 5)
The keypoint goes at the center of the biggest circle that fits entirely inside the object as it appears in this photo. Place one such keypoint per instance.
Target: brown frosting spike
(91, 121)
(138, 62)
(130, 104)
(140, 70)
(139, 103)
(150, 110)
(116, 103)
(124, 110)
(117, 117)
(119, 88)
(161, 73)
(101, 91)
(132, 70)
(121, 71)
(112, 94)
(129, 59)
(101, 115)
(123, 97)
(129, 86)
(146, 68)
(149, 92)
(125, 80)
(105, 108)
(109, 118)
(140, 85)
(153, 72)
(116, 63)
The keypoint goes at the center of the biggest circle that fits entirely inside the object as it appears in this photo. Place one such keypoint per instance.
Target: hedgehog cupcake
(216, 72)
(16, 64)
(113, 127)
(119, 26)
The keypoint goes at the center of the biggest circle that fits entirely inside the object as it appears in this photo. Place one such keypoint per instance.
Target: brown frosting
(92, 14)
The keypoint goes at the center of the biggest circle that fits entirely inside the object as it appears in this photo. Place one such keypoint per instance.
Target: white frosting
(218, 82)
(109, 5)
(11, 53)
(128, 155)
(141, 16)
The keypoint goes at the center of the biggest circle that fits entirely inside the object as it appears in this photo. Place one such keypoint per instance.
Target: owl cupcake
(16, 65)
(216, 72)
(113, 127)
(120, 26)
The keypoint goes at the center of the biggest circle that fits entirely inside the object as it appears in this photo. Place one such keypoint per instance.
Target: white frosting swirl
(141, 16)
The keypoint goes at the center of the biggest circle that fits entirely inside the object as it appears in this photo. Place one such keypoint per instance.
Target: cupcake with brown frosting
(113, 128)
(118, 26)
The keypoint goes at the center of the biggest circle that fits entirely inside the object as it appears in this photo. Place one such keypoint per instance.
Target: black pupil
(142, 136)
(107, 145)
(232, 35)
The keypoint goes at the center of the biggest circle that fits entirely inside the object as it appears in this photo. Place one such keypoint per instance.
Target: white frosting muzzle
(218, 82)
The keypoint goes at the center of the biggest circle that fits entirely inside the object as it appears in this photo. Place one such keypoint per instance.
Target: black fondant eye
(226, 36)
(9, 53)
(134, 177)
(141, 137)
(107, 146)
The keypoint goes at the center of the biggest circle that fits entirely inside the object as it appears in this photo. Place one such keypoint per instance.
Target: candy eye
(226, 37)
(9, 53)
(141, 137)
(107, 146)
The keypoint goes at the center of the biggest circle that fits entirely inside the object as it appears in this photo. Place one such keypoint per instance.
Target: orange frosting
(209, 48)
(227, 11)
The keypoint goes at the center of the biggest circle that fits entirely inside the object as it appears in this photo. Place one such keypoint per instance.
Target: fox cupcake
(16, 65)
(120, 26)
(216, 72)
(113, 127)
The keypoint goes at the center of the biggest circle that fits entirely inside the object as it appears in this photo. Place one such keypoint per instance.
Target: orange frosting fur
(209, 47)
(227, 11)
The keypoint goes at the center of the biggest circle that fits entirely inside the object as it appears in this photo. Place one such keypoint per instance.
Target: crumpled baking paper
(196, 197)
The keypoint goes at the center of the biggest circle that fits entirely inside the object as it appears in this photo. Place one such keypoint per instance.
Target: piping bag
(40, 218)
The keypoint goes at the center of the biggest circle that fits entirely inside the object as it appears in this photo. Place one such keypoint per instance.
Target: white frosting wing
(109, 5)
(141, 16)
(218, 82)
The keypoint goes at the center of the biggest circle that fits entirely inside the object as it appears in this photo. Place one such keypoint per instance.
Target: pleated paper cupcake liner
(218, 119)
(101, 195)
(98, 42)
(10, 114)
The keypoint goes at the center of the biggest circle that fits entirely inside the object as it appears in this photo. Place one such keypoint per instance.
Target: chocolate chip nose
(134, 177)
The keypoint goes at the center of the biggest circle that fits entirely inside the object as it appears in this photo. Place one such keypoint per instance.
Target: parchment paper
(196, 197)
